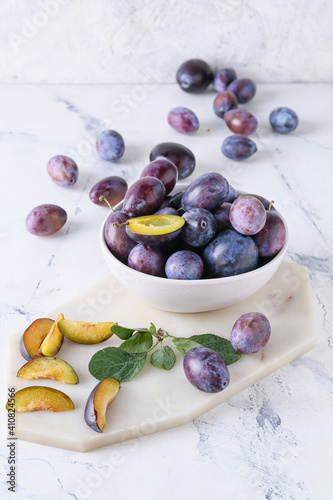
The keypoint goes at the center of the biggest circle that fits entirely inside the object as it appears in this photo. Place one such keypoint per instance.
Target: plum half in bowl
(188, 296)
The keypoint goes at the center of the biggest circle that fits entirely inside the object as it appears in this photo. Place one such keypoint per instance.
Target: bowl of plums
(191, 246)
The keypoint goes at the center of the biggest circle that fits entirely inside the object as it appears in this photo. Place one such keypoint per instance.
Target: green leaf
(121, 332)
(116, 363)
(218, 344)
(183, 344)
(152, 328)
(139, 342)
(163, 358)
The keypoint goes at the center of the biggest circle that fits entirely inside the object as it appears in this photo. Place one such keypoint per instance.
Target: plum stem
(121, 224)
(161, 334)
(102, 198)
(203, 130)
(270, 204)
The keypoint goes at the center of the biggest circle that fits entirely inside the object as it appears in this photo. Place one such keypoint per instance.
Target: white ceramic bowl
(190, 295)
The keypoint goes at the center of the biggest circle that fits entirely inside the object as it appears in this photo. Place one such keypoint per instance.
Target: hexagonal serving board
(155, 399)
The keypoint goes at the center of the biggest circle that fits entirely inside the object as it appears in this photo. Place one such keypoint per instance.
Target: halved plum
(155, 229)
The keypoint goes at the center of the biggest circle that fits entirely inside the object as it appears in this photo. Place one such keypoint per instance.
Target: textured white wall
(130, 41)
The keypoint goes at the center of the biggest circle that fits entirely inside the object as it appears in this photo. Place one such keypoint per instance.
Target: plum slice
(33, 336)
(35, 398)
(53, 340)
(83, 332)
(45, 367)
(99, 399)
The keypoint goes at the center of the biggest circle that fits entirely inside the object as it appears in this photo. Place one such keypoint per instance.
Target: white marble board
(156, 400)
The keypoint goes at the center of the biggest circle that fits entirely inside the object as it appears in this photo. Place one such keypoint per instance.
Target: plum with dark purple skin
(241, 122)
(238, 147)
(46, 219)
(176, 202)
(207, 191)
(283, 120)
(164, 170)
(221, 215)
(200, 227)
(247, 215)
(166, 211)
(232, 194)
(110, 145)
(184, 265)
(180, 155)
(166, 201)
(147, 259)
(144, 197)
(206, 370)
(113, 188)
(194, 76)
(250, 333)
(243, 88)
(223, 78)
(272, 236)
(183, 120)
(224, 102)
(116, 238)
(229, 254)
(182, 245)
(172, 246)
(63, 170)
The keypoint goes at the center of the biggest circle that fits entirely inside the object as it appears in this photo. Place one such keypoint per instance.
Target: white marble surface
(130, 41)
(272, 441)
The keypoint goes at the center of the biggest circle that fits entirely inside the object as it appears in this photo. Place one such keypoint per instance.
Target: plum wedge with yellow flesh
(33, 336)
(53, 341)
(83, 332)
(43, 367)
(99, 399)
(35, 398)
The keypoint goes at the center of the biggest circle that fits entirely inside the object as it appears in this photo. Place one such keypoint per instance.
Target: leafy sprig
(127, 360)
